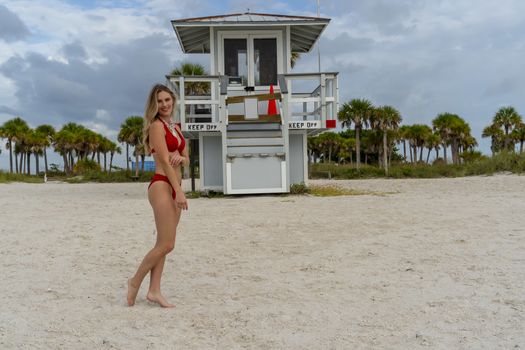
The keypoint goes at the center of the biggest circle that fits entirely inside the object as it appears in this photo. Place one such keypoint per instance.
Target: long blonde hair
(152, 110)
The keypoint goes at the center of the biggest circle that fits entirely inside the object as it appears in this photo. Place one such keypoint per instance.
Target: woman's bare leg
(166, 222)
(154, 293)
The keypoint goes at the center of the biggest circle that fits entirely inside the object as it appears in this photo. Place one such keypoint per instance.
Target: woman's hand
(175, 159)
(181, 201)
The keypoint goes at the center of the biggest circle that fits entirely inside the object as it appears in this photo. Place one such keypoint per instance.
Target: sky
(93, 62)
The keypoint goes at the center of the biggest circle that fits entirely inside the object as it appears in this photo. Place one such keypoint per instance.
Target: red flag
(272, 106)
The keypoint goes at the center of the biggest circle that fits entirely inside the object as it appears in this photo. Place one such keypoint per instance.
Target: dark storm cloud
(7, 110)
(74, 50)
(55, 92)
(11, 26)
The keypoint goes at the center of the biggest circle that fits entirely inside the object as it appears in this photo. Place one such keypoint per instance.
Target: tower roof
(194, 33)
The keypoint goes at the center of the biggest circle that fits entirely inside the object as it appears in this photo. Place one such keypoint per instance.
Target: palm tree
(37, 146)
(356, 111)
(13, 130)
(418, 134)
(460, 135)
(402, 136)
(442, 124)
(371, 141)
(433, 142)
(192, 89)
(329, 141)
(468, 143)
(74, 140)
(76, 143)
(496, 137)
(294, 58)
(453, 130)
(103, 147)
(518, 135)
(347, 147)
(314, 148)
(509, 119)
(385, 118)
(48, 132)
(131, 133)
(63, 143)
(113, 148)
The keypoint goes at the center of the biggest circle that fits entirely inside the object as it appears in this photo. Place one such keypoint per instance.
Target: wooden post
(193, 150)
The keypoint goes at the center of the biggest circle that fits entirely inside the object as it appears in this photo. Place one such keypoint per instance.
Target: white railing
(316, 107)
(211, 100)
(321, 104)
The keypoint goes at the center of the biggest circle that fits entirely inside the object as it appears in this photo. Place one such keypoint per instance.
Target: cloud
(7, 110)
(11, 26)
(74, 50)
(55, 92)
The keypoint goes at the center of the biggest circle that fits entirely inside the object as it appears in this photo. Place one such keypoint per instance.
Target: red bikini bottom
(160, 177)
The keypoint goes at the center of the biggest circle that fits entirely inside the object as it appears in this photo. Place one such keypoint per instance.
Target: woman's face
(165, 104)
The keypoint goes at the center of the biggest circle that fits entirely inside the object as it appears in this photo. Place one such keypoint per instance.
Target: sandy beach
(437, 263)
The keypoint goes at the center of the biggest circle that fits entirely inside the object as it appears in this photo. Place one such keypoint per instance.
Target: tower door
(251, 59)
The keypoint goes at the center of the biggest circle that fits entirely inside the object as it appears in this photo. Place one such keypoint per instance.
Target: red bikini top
(171, 141)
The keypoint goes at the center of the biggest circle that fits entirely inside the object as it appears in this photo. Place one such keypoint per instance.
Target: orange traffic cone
(272, 106)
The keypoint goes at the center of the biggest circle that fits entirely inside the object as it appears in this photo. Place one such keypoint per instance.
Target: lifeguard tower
(246, 144)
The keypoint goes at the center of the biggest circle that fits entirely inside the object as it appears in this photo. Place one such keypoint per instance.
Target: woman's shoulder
(156, 125)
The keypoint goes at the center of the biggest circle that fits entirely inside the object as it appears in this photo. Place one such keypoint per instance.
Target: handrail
(324, 97)
(178, 83)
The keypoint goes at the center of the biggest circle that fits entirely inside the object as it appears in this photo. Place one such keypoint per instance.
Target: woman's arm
(158, 142)
(177, 158)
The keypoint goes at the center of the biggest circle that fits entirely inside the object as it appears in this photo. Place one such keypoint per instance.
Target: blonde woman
(164, 140)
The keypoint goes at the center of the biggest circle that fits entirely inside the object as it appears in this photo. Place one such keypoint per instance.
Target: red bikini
(171, 140)
(173, 145)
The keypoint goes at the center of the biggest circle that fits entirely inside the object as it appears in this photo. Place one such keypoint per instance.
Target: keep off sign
(202, 127)
(316, 124)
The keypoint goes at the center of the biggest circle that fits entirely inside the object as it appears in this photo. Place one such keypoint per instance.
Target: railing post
(182, 103)
(323, 99)
(223, 82)
(213, 95)
(305, 110)
(336, 97)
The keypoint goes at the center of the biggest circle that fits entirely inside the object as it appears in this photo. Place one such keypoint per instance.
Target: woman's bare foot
(156, 297)
(132, 293)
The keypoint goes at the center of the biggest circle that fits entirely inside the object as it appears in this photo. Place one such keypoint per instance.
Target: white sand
(440, 264)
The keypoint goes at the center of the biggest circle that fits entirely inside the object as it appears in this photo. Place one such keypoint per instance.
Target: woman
(164, 140)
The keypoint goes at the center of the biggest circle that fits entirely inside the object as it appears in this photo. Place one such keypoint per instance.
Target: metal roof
(194, 33)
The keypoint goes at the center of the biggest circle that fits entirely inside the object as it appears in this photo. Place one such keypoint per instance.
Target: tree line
(73, 142)
(377, 133)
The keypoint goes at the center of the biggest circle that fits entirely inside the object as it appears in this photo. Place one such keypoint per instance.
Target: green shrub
(472, 156)
(300, 188)
(6, 177)
(474, 164)
(85, 165)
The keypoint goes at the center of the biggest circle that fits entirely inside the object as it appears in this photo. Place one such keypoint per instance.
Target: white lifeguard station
(243, 148)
